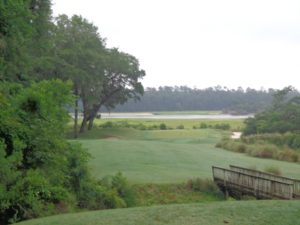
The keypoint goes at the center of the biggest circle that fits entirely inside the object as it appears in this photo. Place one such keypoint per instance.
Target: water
(179, 116)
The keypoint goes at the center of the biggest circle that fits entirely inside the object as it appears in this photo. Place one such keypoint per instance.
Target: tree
(78, 55)
(121, 82)
(15, 36)
(24, 32)
(283, 116)
(101, 77)
(33, 151)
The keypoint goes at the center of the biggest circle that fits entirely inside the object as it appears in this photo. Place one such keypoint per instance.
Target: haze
(202, 43)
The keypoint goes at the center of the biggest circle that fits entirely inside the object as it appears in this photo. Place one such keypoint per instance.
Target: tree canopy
(282, 116)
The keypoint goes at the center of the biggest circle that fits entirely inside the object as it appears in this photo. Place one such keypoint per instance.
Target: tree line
(180, 98)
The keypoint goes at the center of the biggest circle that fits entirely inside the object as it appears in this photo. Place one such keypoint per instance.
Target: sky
(201, 43)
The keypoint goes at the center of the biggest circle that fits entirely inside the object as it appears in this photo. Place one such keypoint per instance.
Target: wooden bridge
(242, 181)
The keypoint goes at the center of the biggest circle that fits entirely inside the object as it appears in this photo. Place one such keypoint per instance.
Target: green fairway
(169, 156)
(216, 213)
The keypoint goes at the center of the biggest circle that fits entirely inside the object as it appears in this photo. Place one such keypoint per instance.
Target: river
(173, 116)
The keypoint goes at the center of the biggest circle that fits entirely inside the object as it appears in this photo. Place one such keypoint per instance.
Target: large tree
(101, 76)
(121, 82)
(78, 55)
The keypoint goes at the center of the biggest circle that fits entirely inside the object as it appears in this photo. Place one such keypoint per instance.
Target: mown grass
(166, 156)
(215, 213)
(157, 162)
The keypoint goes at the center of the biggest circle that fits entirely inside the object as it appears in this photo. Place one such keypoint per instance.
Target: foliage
(101, 76)
(206, 186)
(120, 185)
(162, 126)
(219, 126)
(283, 116)
(40, 172)
(33, 149)
(274, 170)
(260, 147)
(24, 35)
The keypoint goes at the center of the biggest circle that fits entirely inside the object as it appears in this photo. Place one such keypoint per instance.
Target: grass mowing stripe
(168, 156)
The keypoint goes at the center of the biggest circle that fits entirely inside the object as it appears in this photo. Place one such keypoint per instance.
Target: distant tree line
(179, 98)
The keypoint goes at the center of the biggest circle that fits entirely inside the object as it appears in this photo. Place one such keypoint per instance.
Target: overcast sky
(248, 43)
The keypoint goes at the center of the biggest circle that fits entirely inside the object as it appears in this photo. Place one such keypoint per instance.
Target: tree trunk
(93, 115)
(91, 123)
(86, 113)
(83, 124)
(76, 115)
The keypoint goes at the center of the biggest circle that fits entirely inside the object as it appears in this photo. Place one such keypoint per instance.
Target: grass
(160, 194)
(158, 162)
(169, 156)
(235, 124)
(188, 113)
(215, 213)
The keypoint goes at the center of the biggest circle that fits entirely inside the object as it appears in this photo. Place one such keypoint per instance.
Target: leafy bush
(206, 185)
(120, 185)
(40, 172)
(107, 124)
(222, 126)
(162, 126)
(203, 125)
(180, 127)
(256, 146)
(274, 170)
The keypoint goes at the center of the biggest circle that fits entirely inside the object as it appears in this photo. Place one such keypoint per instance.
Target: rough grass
(169, 156)
(261, 149)
(235, 124)
(160, 194)
(188, 113)
(215, 213)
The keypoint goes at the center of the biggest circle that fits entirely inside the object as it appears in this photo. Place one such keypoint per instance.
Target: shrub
(94, 196)
(274, 170)
(222, 126)
(203, 125)
(180, 127)
(288, 155)
(162, 126)
(120, 184)
(206, 185)
(107, 124)
(241, 148)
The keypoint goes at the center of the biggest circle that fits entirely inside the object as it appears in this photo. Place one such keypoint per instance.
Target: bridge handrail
(270, 176)
(255, 183)
(282, 182)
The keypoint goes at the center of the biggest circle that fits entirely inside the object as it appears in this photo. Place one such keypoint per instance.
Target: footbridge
(238, 181)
